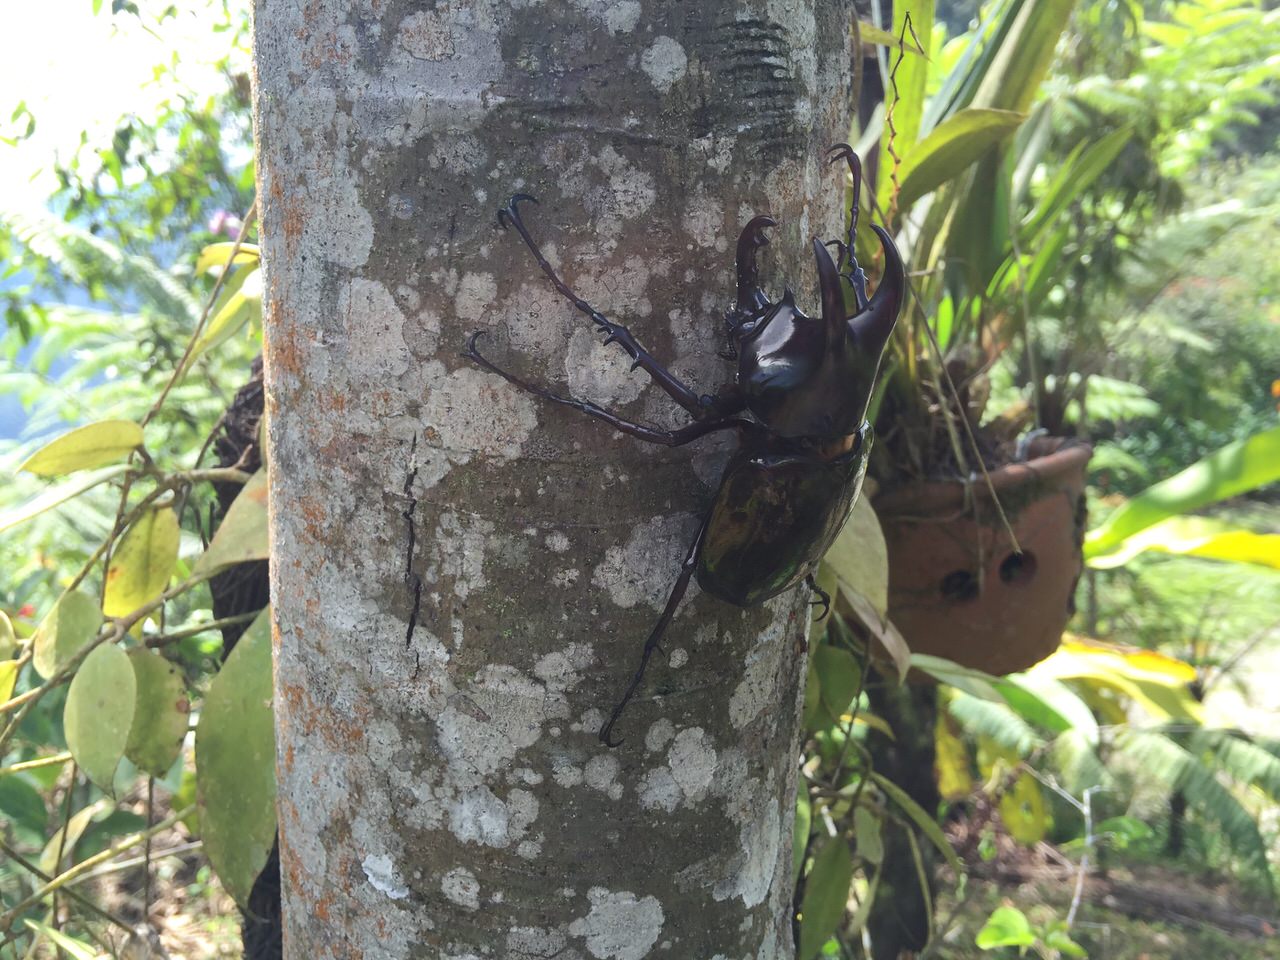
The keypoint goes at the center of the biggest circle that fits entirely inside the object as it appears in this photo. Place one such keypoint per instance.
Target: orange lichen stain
(316, 518)
(283, 352)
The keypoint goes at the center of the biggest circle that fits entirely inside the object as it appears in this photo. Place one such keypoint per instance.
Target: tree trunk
(463, 575)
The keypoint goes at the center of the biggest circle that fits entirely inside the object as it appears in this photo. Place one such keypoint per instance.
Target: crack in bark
(412, 579)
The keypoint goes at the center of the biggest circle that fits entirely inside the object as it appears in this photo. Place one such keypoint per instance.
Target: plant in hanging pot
(983, 518)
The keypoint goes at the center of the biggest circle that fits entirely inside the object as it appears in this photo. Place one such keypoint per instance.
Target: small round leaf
(99, 713)
(236, 763)
(142, 562)
(73, 622)
(160, 714)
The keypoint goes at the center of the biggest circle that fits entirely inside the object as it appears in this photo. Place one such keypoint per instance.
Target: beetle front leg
(824, 598)
(613, 332)
(655, 636)
(668, 438)
(856, 276)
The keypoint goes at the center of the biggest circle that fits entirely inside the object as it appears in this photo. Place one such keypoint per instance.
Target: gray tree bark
(463, 576)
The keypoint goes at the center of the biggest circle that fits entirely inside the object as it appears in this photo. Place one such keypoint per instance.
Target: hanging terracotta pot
(958, 589)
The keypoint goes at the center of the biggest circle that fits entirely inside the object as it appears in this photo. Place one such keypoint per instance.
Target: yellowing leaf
(75, 828)
(1023, 810)
(1157, 683)
(8, 677)
(142, 562)
(92, 445)
(73, 622)
(218, 254)
(56, 495)
(242, 535)
(75, 949)
(951, 760)
(236, 763)
(160, 714)
(99, 712)
(1196, 537)
(8, 642)
(239, 303)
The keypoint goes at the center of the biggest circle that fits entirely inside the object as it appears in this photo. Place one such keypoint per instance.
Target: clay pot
(958, 590)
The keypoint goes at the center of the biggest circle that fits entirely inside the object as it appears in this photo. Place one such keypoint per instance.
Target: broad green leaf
(1006, 927)
(23, 808)
(75, 949)
(927, 824)
(8, 678)
(160, 714)
(1048, 704)
(951, 147)
(49, 862)
(142, 562)
(92, 445)
(8, 641)
(826, 894)
(1076, 175)
(1237, 468)
(1023, 810)
(242, 535)
(1021, 59)
(73, 622)
(99, 712)
(1196, 537)
(971, 681)
(859, 558)
(218, 255)
(866, 829)
(800, 832)
(56, 495)
(236, 763)
(840, 676)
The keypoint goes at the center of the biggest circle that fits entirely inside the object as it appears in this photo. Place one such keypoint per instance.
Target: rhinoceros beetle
(798, 402)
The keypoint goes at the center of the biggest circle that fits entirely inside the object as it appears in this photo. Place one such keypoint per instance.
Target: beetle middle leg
(652, 644)
(614, 332)
(668, 438)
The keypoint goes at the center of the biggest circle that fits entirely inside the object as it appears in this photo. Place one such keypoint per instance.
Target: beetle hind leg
(653, 643)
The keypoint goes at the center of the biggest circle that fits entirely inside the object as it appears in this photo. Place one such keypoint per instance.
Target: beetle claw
(841, 151)
(471, 353)
(510, 214)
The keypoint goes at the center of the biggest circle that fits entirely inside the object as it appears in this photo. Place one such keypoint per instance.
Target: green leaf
(1049, 704)
(160, 715)
(840, 678)
(971, 681)
(859, 558)
(55, 495)
(218, 254)
(951, 147)
(142, 562)
(239, 303)
(866, 829)
(242, 535)
(92, 445)
(1076, 175)
(236, 763)
(99, 712)
(1006, 927)
(73, 622)
(75, 949)
(1012, 78)
(826, 894)
(23, 807)
(1232, 470)
(1196, 537)
(927, 824)
(800, 833)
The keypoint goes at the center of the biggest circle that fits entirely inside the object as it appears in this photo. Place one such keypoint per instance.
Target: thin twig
(164, 639)
(50, 761)
(75, 895)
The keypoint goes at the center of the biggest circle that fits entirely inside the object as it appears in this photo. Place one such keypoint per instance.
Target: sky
(78, 71)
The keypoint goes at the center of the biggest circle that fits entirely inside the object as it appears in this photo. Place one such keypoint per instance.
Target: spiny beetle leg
(655, 637)
(613, 332)
(668, 438)
(856, 277)
(824, 598)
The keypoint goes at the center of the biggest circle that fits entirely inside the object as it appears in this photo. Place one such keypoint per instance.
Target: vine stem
(71, 892)
(50, 761)
(84, 866)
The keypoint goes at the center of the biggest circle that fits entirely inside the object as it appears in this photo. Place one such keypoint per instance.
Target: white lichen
(665, 62)
(382, 874)
(460, 886)
(619, 926)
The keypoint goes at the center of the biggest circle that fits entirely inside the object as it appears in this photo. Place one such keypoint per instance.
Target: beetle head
(812, 376)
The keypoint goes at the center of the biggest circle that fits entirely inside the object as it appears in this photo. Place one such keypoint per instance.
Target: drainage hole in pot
(959, 586)
(1018, 568)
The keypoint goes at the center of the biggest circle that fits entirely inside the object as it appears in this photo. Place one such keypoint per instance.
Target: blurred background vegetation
(1141, 310)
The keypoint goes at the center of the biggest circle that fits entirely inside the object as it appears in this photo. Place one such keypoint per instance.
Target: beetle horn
(871, 328)
(752, 238)
(833, 314)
